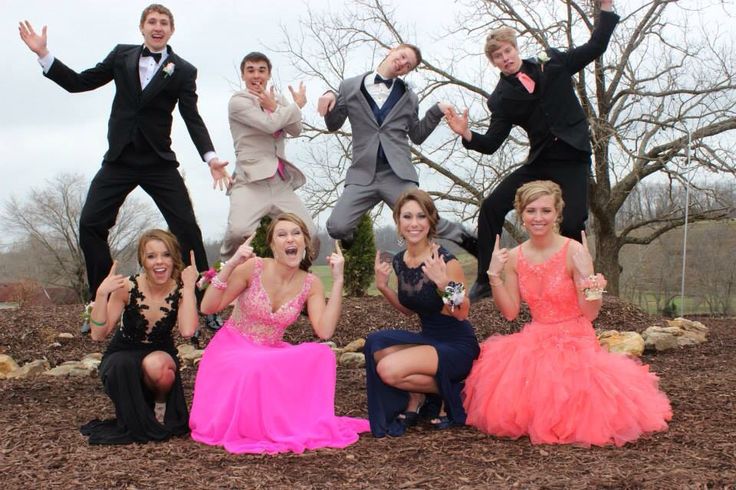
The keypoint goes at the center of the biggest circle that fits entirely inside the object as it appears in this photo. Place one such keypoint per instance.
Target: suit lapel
(159, 79)
(357, 92)
(514, 93)
(131, 65)
(396, 109)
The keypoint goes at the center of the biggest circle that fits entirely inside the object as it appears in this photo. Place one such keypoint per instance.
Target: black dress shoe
(479, 291)
(213, 322)
(469, 243)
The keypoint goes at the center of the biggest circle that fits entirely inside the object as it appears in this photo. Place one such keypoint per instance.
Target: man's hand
(326, 103)
(220, 178)
(35, 43)
(300, 95)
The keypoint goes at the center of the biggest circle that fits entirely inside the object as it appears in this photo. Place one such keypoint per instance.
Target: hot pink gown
(552, 381)
(255, 393)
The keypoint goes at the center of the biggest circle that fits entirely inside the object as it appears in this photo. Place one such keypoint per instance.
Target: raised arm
(383, 272)
(504, 280)
(187, 318)
(323, 317)
(448, 276)
(420, 129)
(35, 42)
(333, 108)
(111, 298)
(575, 59)
(230, 281)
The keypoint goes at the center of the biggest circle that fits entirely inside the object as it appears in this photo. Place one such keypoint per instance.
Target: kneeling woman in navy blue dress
(411, 374)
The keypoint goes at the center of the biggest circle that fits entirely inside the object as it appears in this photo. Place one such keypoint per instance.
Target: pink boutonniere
(169, 69)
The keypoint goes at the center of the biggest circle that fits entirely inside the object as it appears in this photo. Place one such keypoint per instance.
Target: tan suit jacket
(257, 150)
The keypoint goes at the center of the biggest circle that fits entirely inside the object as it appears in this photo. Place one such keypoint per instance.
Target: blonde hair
(306, 262)
(425, 202)
(172, 245)
(531, 191)
(498, 36)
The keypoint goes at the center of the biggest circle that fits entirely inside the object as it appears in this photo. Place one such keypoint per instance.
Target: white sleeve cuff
(209, 156)
(46, 62)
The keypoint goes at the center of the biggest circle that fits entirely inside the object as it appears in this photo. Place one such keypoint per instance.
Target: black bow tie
(380, 79)
(147, 52)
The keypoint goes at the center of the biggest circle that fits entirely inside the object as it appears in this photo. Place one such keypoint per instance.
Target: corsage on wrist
(453, 295)
(591, 288)
(208, 276)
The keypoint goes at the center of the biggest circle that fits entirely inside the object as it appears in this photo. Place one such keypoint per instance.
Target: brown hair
(157, 7)
(172, 245)
(254, 56)
(498, 36)
(417, 51)
(306, 262)
(531, 191)
(425, 202)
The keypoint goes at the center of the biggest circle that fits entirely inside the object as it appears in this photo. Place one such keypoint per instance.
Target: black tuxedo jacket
(148, 111)
(553, 107)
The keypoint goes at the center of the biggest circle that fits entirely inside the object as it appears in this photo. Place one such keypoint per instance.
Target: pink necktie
(526, 81)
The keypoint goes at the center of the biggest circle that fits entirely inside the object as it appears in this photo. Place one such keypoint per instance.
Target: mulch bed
(41, 447)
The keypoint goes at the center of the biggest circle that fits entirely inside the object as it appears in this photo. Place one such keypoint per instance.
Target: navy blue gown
(122, 378)
(453, 339)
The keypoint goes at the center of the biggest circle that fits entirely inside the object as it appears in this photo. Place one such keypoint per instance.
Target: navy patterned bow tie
(380, 79)
(147, 52)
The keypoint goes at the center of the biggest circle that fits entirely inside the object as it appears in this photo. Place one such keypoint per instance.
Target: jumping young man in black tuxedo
(537, 95)
(150, 80)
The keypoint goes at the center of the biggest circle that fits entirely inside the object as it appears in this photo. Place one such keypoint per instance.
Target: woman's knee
(388, 371)
(159, 368)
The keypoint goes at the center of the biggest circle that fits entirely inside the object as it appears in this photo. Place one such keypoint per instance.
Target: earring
(400, 240)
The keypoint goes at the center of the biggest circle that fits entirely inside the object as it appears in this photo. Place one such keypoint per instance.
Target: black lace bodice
(416, 291)
(134, 326)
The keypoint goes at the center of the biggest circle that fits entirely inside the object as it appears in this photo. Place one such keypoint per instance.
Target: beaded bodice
(547, 288)
(253, 315)
(134, 325)
(416, 291)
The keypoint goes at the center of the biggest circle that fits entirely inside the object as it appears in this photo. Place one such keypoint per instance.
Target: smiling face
(540, 216)
(398, 62)
(506, 58)
(413, 223)
(288, 243)
(156, 29)
(157, 262)
(256, 75)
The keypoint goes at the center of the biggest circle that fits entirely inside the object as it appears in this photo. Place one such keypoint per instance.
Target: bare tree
(663, 94)
(46, 224)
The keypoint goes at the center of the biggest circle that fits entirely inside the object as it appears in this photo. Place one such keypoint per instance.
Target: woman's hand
(435, 268)
(582, 261)
(243, 253)
(498, 259)
(382, 270)
(112, 282)
(190, 273)
(336, 261)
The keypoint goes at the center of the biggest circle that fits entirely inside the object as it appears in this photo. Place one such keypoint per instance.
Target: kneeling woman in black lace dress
(406, 371)
(140, 370)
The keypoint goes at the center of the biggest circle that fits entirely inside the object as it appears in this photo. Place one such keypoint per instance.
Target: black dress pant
(570, 175)
(161, 180)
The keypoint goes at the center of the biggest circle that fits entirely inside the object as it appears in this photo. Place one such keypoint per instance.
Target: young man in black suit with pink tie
(537, 95)
(150, 80)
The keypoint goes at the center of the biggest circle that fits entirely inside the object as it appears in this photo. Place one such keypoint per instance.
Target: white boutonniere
(169, 69)
(542, 58)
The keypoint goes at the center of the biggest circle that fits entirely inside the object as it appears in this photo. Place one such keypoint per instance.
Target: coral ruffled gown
(255, 393)
(552, 381)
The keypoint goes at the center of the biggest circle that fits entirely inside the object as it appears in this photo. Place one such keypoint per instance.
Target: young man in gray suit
(384, 115)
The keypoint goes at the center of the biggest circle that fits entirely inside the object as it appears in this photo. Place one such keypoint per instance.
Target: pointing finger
(338, 249)
(584, 240)
(113, 269)
(193, 260)
(249, 240)
(497, 245)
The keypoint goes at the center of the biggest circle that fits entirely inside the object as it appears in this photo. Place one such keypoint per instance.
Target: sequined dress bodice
(253, 316)
(547, 288)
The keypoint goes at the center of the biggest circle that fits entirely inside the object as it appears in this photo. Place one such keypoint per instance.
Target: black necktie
(380, 79)
(147, 52)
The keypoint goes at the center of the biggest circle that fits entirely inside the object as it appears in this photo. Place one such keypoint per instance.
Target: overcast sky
(44, 130)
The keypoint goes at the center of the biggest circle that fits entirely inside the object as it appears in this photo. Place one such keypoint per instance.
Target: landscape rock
(29, 369)
(355, 346)
(71, 368)
(352, 359)
(7, 365)
(629, 343)
(679, 332)
(65, 336)
(188, 353)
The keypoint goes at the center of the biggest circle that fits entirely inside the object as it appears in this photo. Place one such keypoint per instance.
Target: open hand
(220, 178)
(35, 43)
(458, 122)
(299, 96)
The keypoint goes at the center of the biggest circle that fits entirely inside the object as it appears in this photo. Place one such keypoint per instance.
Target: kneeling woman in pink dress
(255, 393)
(552, 381)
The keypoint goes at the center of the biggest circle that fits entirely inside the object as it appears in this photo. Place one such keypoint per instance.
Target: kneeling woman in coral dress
(255, 393)
(552, 381)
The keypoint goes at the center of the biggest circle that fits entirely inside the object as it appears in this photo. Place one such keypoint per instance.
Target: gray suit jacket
(402, 122)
